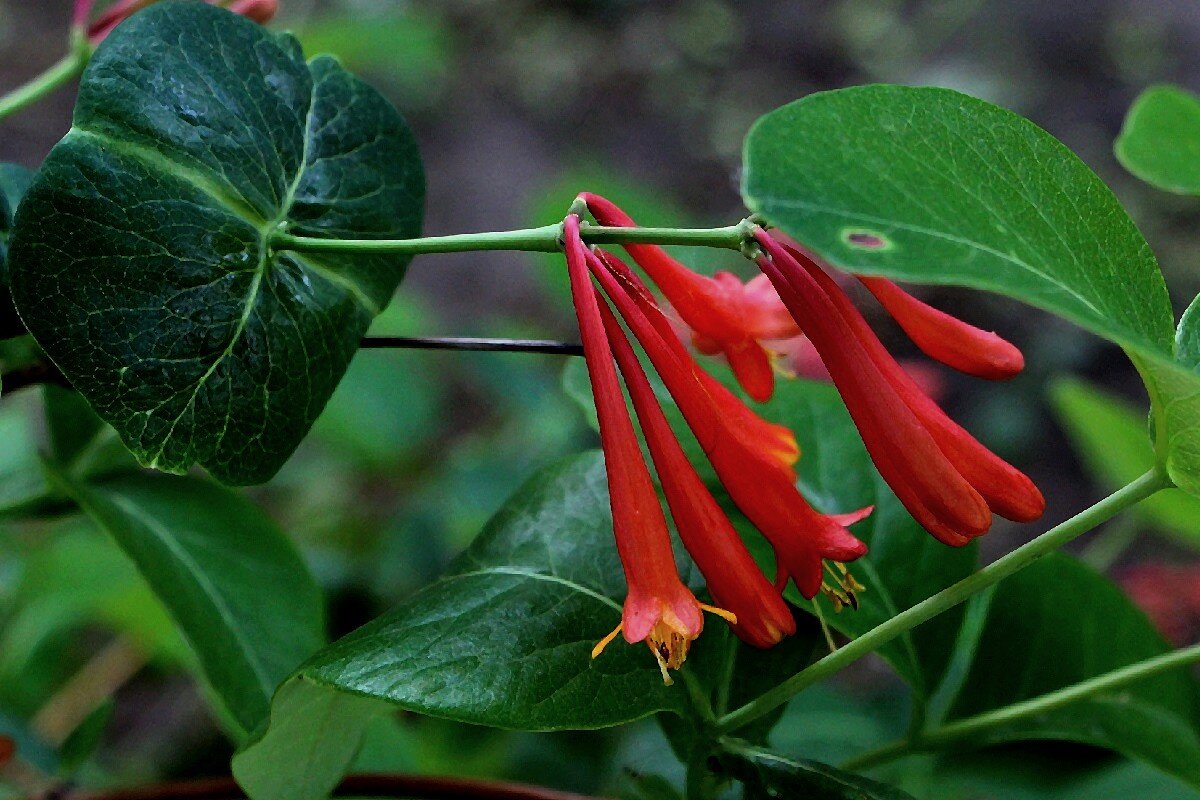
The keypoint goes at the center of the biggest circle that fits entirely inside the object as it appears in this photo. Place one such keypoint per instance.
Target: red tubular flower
(1008, 492)
(725, 315)
(761, 617)
(945, 338)
(757, 482)
(946, 479)
(659, 609)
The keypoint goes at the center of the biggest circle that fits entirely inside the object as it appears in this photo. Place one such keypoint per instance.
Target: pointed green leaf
(1058, 623)
(234, 584)
(142, 261)
(505, 637)
(1160, 140)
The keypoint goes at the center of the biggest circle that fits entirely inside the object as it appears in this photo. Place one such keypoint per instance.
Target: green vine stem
(964, 728)
(67, 69)
(546, 239)
(949, 597)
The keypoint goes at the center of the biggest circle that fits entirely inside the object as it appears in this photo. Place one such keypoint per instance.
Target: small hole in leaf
(866, 240)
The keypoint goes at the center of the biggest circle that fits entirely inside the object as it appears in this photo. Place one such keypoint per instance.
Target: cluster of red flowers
(261, 11)
(945, 478)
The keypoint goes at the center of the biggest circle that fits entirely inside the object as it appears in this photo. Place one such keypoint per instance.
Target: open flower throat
(948, 481)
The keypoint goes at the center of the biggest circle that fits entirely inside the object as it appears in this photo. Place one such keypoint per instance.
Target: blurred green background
(519, 105)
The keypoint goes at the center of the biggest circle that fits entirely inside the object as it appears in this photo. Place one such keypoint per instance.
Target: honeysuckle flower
(659, 609)
(261, 11)
(761, 617)
(945, 338)
(725, 315)
(760, 482)
(946, 479)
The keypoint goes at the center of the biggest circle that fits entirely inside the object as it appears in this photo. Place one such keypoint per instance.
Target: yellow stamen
(728, 616)
(662, 664)
(606, 641)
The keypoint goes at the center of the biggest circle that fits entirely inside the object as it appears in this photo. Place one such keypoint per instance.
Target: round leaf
(935, 186)
(141, 259)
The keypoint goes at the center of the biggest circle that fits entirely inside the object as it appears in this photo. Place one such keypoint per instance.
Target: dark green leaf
(1160, 141)
(141, 257)
(933, 186)
(238, 590)
(770, 775)
(1055, 624)
(504, 638)
(1111, 437)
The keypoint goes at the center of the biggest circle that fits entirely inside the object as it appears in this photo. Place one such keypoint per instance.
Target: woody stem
(949, 597)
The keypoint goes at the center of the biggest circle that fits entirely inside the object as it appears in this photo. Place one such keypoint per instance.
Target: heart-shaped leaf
(142, 258)
(1160, 140)
(1058, 623)
(234, 584)
(933, 186)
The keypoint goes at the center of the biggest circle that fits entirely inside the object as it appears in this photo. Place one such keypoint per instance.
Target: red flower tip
(726, 316)
(945, 338)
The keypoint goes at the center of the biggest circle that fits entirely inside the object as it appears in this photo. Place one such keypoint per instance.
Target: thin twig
(41, 372)
(416, 787)
(468, 343)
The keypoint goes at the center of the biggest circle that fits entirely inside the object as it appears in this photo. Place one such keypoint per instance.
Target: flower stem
(546, 239)
(949, 597)
(61, 73)
(964, 728)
